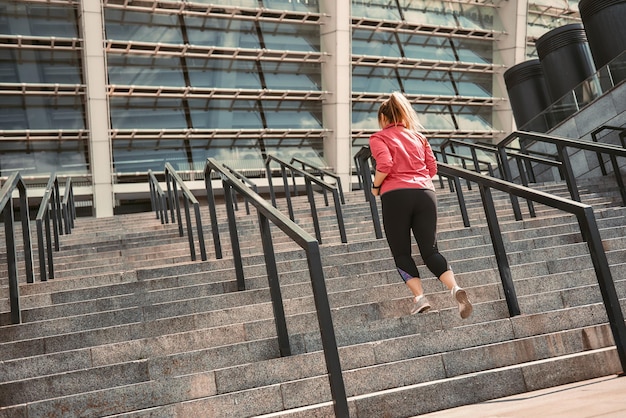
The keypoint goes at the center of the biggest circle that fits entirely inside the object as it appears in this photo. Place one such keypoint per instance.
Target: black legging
(407, 210)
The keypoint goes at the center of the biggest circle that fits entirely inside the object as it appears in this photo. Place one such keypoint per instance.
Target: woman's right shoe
(420, 304)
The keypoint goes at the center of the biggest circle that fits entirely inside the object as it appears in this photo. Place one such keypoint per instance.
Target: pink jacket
(405, 156)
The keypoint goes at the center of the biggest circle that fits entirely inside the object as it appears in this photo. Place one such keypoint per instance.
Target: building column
(94, 65)
(337, 80)
(509, 49)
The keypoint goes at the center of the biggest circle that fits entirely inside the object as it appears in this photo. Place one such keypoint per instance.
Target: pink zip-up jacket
(405, 156)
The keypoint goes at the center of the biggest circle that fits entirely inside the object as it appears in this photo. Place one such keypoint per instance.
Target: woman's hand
(376, 191)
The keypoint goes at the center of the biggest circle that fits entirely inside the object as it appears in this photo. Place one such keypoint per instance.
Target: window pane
(225, 114)
(226, 33)
(475, 51)
(294, 114)
(41, 112)
(292, 76)
(37, 66)
(68, 156)
(142, 27)
(426, 47)
(147, 113)
(311, 6)
(381, 43)
(375, 9)
(364, 115)
(374, 79)
(145, 71)
(291, 37)
(221, 73)
(474, 118)
(37, 20)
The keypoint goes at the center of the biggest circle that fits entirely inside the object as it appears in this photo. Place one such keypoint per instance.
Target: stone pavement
(602, 397)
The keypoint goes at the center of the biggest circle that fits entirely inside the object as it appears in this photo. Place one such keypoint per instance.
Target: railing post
(212, 213)
(234, 238)
(287, 193)
(366, 174)
(499, 250)
(14, 288)
(568, 172)
(339, 213)
(587, 222)
(274, 285)
(325, 320)
(28, 247)
(316, 222)
(506, 172)
(618, 177)
(192, 247)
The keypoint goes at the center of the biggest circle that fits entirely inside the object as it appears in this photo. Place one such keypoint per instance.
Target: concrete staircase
(131, 327)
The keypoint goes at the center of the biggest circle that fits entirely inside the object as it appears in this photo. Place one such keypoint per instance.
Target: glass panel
(41, 112)
(473, 84)
(435, 117)
(431, 83)
(225, 114)
(296, 5)
(470, 50)
(378, 43)
(442, 13)
(239, 3)
(227, 33)
(374, 79)
(288, 114)
(364, 115)
(375, 9)
(145, 71)
(17, 18)
(474, 117)
(221, 73)
(130, 156)
(426, 47)
(292, 76)
(147, 113)
(37, 66)
(291, 37)
(142, 27)
(68, 156)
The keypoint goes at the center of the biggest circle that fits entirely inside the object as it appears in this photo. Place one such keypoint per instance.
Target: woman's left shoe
(465, 306)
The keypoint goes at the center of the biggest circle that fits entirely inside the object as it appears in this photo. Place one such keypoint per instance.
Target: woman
(405, 166)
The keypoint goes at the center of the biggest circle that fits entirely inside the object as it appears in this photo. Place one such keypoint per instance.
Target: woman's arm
(378, 181)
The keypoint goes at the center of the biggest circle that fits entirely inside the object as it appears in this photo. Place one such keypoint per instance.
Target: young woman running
(405, 166)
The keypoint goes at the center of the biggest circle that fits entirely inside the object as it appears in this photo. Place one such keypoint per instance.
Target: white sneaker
(420, 305)
(465, 306)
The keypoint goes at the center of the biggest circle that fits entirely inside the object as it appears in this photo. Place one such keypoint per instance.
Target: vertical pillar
(509, 49)
(94, 65)
(336, 38)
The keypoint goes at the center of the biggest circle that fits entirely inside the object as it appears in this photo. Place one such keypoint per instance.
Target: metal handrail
(589, 230)
(594, 138)
(174, 181)
(68, 206)
(158, 199)
(322, 172)
(266, 213)
(49, 209)
(561, 145)
(13, 182)
(309, 179)
(245, 180)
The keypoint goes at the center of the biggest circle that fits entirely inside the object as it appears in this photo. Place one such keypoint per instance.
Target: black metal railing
(244, 180)
(68, 206)
(595, 137)
(309, 180)
(49, 215)
(174, 182)
(15, 182)
(588, 227)
(267, 213)
(158, 199)
(315, 170)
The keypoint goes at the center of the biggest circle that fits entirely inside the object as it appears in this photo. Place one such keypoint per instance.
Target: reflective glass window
(443, 13)
(224, 33)
(426, 82)
(223, 73)
(68, 156)
(38, 19)
(131, 156)
(475, 51)
(40, 66)
(365, 115)
(238, 3)
(145, 71)
(225, 114)
(378, 43)
(291, 76)
(375, 9)
(142, 27)
(374, 79)
(41, 112)
(474, 117)
(290, 36)
(147, 113)
(311, 6)
(473, 84)
(293, 114)
(417, 46)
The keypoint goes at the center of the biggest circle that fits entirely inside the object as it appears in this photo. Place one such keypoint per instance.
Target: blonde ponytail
(398, 109)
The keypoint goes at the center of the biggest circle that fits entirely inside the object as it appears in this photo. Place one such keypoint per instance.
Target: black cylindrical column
(565, 58)
(605, 25)
(528, 94)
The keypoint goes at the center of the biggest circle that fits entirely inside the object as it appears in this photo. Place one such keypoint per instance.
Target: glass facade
(237, 80)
